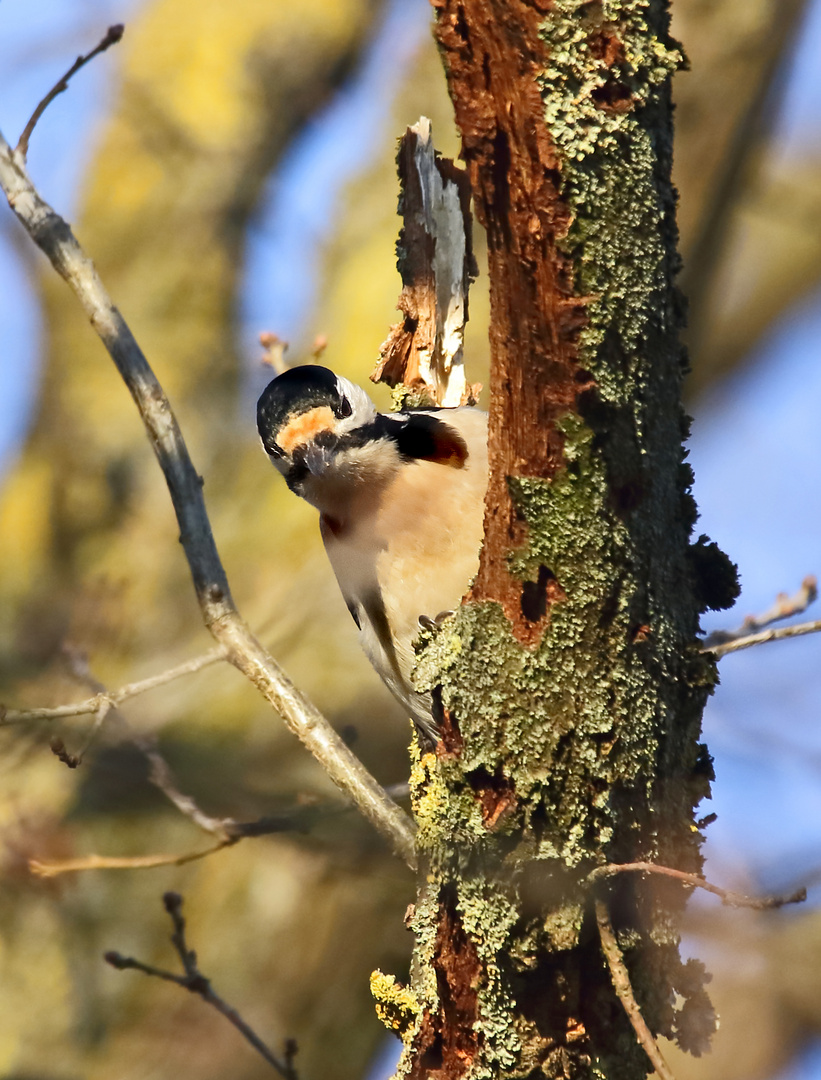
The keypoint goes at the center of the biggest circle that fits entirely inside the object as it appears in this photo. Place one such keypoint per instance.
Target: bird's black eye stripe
(343, 409)
(297, 473)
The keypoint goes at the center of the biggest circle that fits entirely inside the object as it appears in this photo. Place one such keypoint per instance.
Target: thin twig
(48, 868)
(53, 235)
(776, 634)
(115, 697)
(113, 35)
(274, 349)
(624, 991)
(785, 607)
(727, 896)
(195, 982)
(99, 719)
(228, 831)
(162, 778)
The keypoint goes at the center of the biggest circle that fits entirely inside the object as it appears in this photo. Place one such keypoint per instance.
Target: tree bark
(570, 681)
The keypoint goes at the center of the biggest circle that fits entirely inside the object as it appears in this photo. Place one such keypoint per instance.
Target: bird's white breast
(408, 545)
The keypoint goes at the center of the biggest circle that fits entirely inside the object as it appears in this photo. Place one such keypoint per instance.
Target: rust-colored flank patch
(301, 429)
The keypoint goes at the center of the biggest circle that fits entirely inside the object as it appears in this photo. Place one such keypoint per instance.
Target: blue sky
(756, 445)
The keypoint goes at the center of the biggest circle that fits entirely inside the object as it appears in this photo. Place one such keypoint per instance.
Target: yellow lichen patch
(396, 1005)
(304, 427)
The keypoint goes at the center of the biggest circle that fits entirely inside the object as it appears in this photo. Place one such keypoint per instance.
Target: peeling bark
(422, 355)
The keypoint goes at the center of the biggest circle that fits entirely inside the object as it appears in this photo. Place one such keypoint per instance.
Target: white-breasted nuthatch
(401, 504)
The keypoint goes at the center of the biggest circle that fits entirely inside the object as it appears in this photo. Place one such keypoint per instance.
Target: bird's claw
(427, 623)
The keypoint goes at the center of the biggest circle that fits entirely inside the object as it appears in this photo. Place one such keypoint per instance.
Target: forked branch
(113, 698)
(753, 630)
(727, 896)
(54, 237)
(194, 981)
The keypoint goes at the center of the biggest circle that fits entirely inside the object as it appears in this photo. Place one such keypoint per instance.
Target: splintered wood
(423, 353)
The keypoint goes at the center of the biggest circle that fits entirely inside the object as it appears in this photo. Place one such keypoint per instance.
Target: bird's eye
(344, 408)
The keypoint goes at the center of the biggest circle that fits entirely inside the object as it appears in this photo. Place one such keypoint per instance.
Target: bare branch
(785, 607)
(227, 830)
(624, 991)
(162, 778)
(776, 634)
(195, 982)
(727, 896)
(113, 35)
(117, 697)
(49, 868)
(53, 235)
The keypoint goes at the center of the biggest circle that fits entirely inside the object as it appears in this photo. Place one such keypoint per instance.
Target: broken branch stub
(423, 353)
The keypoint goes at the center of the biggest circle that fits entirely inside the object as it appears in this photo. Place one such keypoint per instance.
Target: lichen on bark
(570, 683)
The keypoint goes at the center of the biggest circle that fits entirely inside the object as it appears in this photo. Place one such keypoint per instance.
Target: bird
(401, 507)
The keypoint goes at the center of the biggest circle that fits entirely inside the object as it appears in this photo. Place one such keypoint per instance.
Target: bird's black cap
(295, 391)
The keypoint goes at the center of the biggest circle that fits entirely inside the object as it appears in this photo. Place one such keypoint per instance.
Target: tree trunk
(570, 681)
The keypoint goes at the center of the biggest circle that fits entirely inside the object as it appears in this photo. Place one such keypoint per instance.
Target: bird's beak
(317, 458)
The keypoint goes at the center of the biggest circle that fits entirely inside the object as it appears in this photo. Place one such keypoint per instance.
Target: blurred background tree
(240, 178)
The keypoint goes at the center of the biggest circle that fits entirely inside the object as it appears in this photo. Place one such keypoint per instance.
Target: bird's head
(324, 435)
(306, 418)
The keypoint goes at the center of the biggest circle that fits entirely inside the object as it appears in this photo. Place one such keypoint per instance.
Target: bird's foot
(428, 623)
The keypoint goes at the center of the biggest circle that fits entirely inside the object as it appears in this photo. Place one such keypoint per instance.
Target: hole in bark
(613, 96)
(605, 46)
(495, 794)
(533, 600)
(460, 26)
(536, 595)
(432, 1057)
(450, 737)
